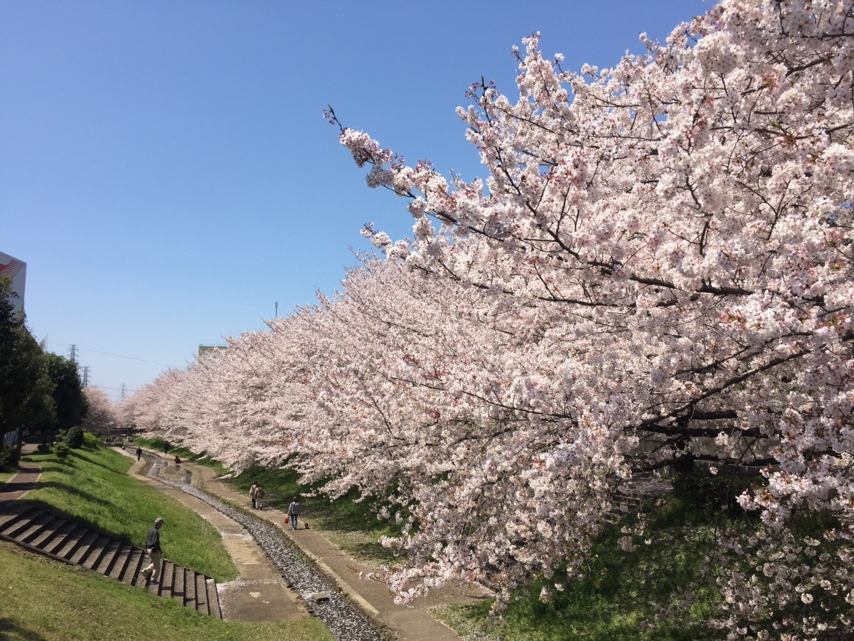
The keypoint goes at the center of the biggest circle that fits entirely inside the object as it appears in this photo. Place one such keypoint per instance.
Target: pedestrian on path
(152, 548)
(259, 495)
(138, 453)
(293, 512)
(252, 491)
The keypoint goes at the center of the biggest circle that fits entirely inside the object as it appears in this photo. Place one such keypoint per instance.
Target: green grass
(6, 475)
(184, 453)
(91, 486)
(47, 601)
(351, 525)
(622, 592)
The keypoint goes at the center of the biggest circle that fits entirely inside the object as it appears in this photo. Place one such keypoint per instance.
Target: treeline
(40, 392)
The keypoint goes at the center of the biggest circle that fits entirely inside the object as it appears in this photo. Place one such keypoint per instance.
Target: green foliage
(25, 385)
(68, 396)
(624, 596)
(54, 602)
(90, 441)
(9, 457)
(74, 438)
(92, 487)
(43, 448)
(61, 450)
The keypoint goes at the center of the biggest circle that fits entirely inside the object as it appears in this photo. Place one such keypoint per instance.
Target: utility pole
(123, 391)
(73, 353)
(277, 309)
(85, 376)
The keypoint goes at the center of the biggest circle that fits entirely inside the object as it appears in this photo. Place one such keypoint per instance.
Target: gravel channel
(344, 621)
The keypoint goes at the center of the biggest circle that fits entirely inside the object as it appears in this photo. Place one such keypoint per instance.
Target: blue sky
(166, 172)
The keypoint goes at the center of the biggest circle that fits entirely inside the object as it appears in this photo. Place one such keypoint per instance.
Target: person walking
(152, 548)
(252, 491)
(259, 495)
(293, 512)
(138, 453)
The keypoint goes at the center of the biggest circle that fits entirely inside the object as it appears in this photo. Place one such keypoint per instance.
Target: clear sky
(166, 172)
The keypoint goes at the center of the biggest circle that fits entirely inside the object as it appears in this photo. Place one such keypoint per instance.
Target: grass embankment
(48, 601)
(349, 524)
(91, 486)
(625, 596)
(159, 444)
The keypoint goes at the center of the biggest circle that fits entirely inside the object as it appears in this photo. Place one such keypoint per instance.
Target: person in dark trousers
(138, 453)
(166, 447)
(293, 512)
(152, 548)
(252, 491)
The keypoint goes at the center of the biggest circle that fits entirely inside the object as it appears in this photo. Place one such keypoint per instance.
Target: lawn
(48, 601)
(91, 486)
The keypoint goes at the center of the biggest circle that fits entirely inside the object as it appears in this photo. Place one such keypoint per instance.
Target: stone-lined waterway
(344, 621)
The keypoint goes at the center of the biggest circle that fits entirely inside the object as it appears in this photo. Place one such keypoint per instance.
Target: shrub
(90, 441)
(44, 448)
(62, 450)
(74, 438)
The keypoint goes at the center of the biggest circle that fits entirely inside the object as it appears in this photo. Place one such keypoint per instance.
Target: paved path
(372, 597)
(24, 481)
(260, 593)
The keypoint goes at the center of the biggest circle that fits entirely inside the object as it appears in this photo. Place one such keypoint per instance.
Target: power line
(132, 358)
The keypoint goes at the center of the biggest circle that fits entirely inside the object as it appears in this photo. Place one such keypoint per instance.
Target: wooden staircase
(64, 540)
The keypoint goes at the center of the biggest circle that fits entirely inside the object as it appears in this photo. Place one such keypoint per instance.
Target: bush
(74, 438)
(62, 450)
(90, 441)
(44, 448)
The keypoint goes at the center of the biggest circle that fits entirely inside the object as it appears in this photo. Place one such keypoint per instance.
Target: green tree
(68, 396)
(26, 389)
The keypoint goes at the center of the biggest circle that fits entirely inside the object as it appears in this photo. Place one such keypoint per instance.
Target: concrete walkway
(371, 597)
(260, 593)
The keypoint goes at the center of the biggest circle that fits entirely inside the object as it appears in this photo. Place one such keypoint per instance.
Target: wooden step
(77, 552)
(213, 599)
(44, 539)
(133, 567)
(105, 564)
(121, 559)
(189, 588)
(178, 590)
(36, 526)
(16, 526)
(66, 544)
(64, 535)
(95, 552)
(201, 594)
(167, 578)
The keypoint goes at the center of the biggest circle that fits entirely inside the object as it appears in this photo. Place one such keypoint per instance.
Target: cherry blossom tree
(101, 418)
(654, 274)
(679, 229)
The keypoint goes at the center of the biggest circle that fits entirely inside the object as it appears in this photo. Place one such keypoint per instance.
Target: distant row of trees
(40, 391)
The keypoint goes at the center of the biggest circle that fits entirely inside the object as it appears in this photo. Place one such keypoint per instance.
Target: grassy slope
(91, 486)
(45, 600)
(622, 593)
(350, 525)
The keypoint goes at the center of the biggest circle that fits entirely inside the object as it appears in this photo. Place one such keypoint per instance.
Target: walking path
(24, 481)
(260, 593)
(372, 597)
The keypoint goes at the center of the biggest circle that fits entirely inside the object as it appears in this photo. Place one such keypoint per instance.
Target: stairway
(64, 540)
